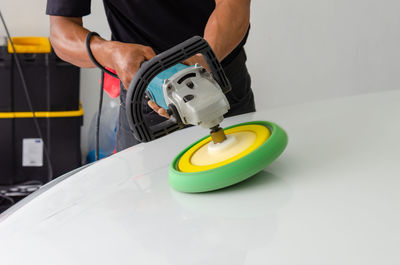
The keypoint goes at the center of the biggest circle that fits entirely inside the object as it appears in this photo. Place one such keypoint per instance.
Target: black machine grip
(149, 69)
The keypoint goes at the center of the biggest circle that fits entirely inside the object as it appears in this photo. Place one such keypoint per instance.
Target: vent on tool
(183, 78)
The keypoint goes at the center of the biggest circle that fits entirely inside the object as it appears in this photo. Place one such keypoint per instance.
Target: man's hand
(198, 58)
(158, 109)
(67, 36)
(126, 58)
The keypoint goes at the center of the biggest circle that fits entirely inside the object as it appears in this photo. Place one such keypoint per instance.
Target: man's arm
(67, 36)
(225, 28)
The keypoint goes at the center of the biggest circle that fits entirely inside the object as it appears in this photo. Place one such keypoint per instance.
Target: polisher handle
(149, 69)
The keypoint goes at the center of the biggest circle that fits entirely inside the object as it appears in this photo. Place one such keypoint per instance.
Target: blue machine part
(155, 89)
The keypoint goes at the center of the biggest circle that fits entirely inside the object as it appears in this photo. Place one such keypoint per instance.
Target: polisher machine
(193, 96)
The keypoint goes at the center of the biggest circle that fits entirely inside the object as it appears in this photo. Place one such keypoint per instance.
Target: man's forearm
(68, 36)
(227, 26)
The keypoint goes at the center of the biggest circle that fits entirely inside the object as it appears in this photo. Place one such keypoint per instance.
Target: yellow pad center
(204, 157)
(199, 158)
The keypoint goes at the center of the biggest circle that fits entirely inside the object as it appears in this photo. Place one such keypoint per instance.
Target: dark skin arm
(225, 28)
(67, 36)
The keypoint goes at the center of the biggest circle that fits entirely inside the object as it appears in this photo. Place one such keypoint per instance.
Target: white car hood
(331, 198)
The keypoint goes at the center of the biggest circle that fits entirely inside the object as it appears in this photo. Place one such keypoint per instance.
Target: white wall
(298, 50)
(314, 49)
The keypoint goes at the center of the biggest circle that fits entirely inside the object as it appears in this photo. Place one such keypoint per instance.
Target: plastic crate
(6, 95)
(61, 132)
(30, 45)
(53, 84)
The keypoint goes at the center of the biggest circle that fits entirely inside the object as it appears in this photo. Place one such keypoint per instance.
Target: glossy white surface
(332, 198)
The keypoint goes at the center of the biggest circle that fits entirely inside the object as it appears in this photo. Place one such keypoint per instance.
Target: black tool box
(53, 83)
(53, 87)
(61, 133)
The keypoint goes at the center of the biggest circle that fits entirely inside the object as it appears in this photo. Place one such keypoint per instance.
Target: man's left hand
(158, 109)
(198, 58)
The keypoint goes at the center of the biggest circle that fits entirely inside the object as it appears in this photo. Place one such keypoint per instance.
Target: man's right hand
(67, 36)
(124, 58)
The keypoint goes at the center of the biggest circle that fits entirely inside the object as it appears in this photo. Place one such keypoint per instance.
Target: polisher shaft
(217, 134)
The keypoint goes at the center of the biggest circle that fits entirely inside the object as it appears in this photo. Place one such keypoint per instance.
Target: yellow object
(30, 45)
(42, 114)
(249, 137)
(204, 156)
